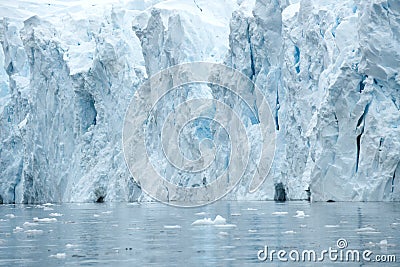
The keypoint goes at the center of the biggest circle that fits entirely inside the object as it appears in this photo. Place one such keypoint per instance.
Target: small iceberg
(107, 212)
(18, 229)
(366, 229)
(332, 226)
(201, 213)
(58, 256)
(280, 213)
(219, 220)
(382, 244)
(300, 214)
(11, 216)
(205, 221)
(289, 232)
(33, 232)
(172, 227)
(55, 214)
(228, 225)
(29, 224)
(46, 220)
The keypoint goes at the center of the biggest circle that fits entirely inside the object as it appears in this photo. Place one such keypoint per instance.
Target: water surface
(153, 234)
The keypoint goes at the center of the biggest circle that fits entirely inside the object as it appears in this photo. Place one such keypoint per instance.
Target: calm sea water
(153, 234)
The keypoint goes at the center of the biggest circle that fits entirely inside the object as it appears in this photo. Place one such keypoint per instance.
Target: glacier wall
(329, 71)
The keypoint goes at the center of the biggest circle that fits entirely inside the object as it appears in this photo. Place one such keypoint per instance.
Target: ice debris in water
(366, 229)
(58, 256)
(172, 226)
(280, 213)
(300, 214)
(55, 214)
(47, 220)
(289, 232)
(219, 220)
(18, 229)
(33, 232)
(29, 224)
(332, 226)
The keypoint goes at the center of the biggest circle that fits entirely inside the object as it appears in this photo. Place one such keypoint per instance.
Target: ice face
(329, 71)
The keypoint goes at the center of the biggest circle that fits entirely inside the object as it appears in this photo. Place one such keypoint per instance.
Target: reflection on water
(148, 234)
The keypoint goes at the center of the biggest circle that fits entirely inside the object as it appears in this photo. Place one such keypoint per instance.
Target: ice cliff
(329, 70)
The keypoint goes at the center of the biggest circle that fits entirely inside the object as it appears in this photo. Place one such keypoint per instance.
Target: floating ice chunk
(201, 213)
(58, 256)
(383, 243)
(70, 246)
(18, 229)
(33, 232)
(236, 214)
(219, 220)
(48, 204)
(289, 232)
(332, 226)
(46, 220)
(205, 221)
(96, 215)
(223, 234)
(300, 214)
(303, 225)
(251, 209)
(172, 226)
(135, 228)
(225, 225)
(370, 244)
(29, 224)
(107, 212)
(366, 229)
(11, 216)
(252, 231)
(55, 214)
(280, 213)
(47, 209)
